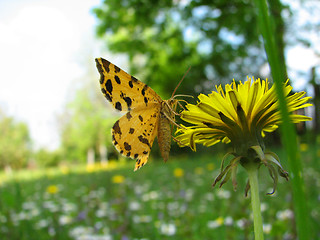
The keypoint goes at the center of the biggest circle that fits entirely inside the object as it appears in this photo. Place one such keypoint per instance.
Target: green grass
(150, 204)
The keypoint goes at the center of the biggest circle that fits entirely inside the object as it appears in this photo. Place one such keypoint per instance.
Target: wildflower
(286, 214)
(168, 229)
(65, 219)
(118, 179)
(267, 228)
(241, 115)
(303, 147)
(178, 172)
(52, 189)
(216, 223)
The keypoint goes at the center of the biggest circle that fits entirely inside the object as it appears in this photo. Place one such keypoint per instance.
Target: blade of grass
(288, 132)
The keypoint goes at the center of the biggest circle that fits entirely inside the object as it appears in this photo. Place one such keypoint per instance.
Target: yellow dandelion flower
(304, 147)
(178, 172)
(52, 189)
(240, 114)
(118, 179)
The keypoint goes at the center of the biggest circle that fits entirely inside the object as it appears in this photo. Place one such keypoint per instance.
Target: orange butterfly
(147, 114)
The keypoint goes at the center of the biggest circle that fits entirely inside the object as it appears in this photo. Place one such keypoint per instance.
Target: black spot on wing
(106, 65)
(118, 106)
(127, 146)
(117, 79)
(128, 154)
(140, 118)
(129, 116)
(116, 128)
(146, 100)
(143, 91)
(128, 101)
(144, 140)
(131, 130)
(101, 79)
(145, 152)
(134, 79)
(99, 67)
(136, 156)
(130, 84)
(109, 86)
(116, 69)
(108, 97)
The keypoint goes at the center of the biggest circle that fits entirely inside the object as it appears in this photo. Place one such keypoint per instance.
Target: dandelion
(118, 179)
(241, 114)
(178, 172)
(303, 147)
(52, 189)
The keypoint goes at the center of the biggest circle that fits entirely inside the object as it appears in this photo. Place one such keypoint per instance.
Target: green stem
(288, 132)
(255, 202)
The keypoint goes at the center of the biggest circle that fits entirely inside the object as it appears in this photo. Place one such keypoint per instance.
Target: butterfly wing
(124, 91)
(133, 134)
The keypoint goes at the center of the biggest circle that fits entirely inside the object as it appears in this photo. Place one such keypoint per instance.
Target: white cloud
(39, 45)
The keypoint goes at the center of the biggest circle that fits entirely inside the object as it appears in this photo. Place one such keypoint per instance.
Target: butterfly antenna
(185, 74)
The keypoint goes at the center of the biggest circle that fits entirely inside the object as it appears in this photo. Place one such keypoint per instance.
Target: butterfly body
(165, 127)
(147, 114)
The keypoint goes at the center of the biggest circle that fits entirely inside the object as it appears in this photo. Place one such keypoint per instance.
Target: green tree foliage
(47, 158)
(218, 39)
(14, 142)
(86, 124)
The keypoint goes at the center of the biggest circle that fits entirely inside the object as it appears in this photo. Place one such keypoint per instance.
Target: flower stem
(255, 202)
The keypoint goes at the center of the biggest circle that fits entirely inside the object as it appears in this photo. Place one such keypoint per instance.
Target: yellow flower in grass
(52, 189)
(240, 114)
(118, 179)
(178, 172)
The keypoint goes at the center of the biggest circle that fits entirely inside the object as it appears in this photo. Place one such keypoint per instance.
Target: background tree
(218, 39)
(15, 143)
(86, 124)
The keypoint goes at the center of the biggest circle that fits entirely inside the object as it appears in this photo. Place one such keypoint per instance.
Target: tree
(86, 124)
(218, 39)
(15, 142)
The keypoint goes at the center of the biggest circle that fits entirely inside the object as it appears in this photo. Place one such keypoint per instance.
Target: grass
(157, 202)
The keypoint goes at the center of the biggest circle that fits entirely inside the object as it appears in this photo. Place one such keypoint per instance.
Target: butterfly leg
(178, 141)
(172, 120)
(171, 109)
(180, 105)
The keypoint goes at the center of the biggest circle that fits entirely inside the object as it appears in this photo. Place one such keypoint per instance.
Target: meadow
(161, 201)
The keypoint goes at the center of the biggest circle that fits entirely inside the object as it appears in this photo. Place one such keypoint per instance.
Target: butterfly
(147, 115)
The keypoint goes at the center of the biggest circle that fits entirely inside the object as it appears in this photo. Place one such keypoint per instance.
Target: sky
(42, 47)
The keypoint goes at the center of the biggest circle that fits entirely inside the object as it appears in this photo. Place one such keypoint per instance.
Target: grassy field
(161, 201)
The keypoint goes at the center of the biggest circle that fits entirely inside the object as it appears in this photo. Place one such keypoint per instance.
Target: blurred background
(60, 173)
